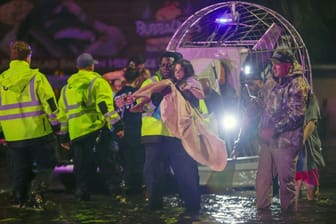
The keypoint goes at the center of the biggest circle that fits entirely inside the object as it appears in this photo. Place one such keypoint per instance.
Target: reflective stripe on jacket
(79, 102)
(28, 106)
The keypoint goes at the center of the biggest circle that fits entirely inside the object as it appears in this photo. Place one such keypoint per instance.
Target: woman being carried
(180, 117)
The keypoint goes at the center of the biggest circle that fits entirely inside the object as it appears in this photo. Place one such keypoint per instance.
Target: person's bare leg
(310, 191)
(298, 190)
(317, 192)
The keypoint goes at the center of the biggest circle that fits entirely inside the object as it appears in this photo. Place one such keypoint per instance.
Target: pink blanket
(185, 123)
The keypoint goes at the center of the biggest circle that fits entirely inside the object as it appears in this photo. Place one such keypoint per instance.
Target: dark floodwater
(235, 206)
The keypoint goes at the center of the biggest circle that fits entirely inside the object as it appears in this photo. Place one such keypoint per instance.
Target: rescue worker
(28, 122)
(87, 119)
(164, 151)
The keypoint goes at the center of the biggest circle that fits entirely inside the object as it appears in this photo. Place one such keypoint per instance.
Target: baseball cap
(85, 60)
(283, 54)
(175, 56)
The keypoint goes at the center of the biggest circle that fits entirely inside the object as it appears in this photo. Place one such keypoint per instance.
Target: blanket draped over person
(185, 123)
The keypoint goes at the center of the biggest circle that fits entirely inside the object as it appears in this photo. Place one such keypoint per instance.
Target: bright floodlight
(247, 70)
(229, 122)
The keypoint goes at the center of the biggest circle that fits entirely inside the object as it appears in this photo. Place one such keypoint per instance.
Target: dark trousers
(32, 168)
(133, 154)
(91, 156)
(170, 152)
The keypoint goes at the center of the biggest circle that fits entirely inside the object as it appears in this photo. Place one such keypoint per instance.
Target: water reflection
(227, 207)
(236, 207)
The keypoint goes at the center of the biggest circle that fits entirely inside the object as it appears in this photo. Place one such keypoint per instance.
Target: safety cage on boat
(231, 41)
(236, 40)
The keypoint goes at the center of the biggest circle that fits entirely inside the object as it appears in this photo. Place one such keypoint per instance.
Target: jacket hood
(297, 69)
(17, 76)
(81, 78)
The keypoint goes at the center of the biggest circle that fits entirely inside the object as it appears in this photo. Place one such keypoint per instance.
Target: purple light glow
(63, 169)
(67, 169)
(223, 20)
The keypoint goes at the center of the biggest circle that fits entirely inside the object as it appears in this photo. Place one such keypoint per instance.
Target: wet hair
(131, 74)
(187, 67)
(19, 50)
(135, 61)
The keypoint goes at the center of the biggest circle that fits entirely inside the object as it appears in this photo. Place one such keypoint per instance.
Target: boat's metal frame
(250, 28)
(255, 32)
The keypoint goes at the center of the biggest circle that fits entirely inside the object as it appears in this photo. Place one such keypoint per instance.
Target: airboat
(241, 36)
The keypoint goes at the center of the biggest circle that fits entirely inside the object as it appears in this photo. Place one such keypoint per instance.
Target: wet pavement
(233, 206)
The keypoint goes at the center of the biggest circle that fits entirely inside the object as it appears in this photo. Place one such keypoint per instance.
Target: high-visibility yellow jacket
(203, 109)
(86, 105)
(152, 126)
(28, 107)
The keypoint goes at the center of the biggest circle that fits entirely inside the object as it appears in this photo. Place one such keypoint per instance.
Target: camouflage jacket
(285, 103)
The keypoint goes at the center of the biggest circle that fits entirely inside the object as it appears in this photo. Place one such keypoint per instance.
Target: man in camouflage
(281, 130)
